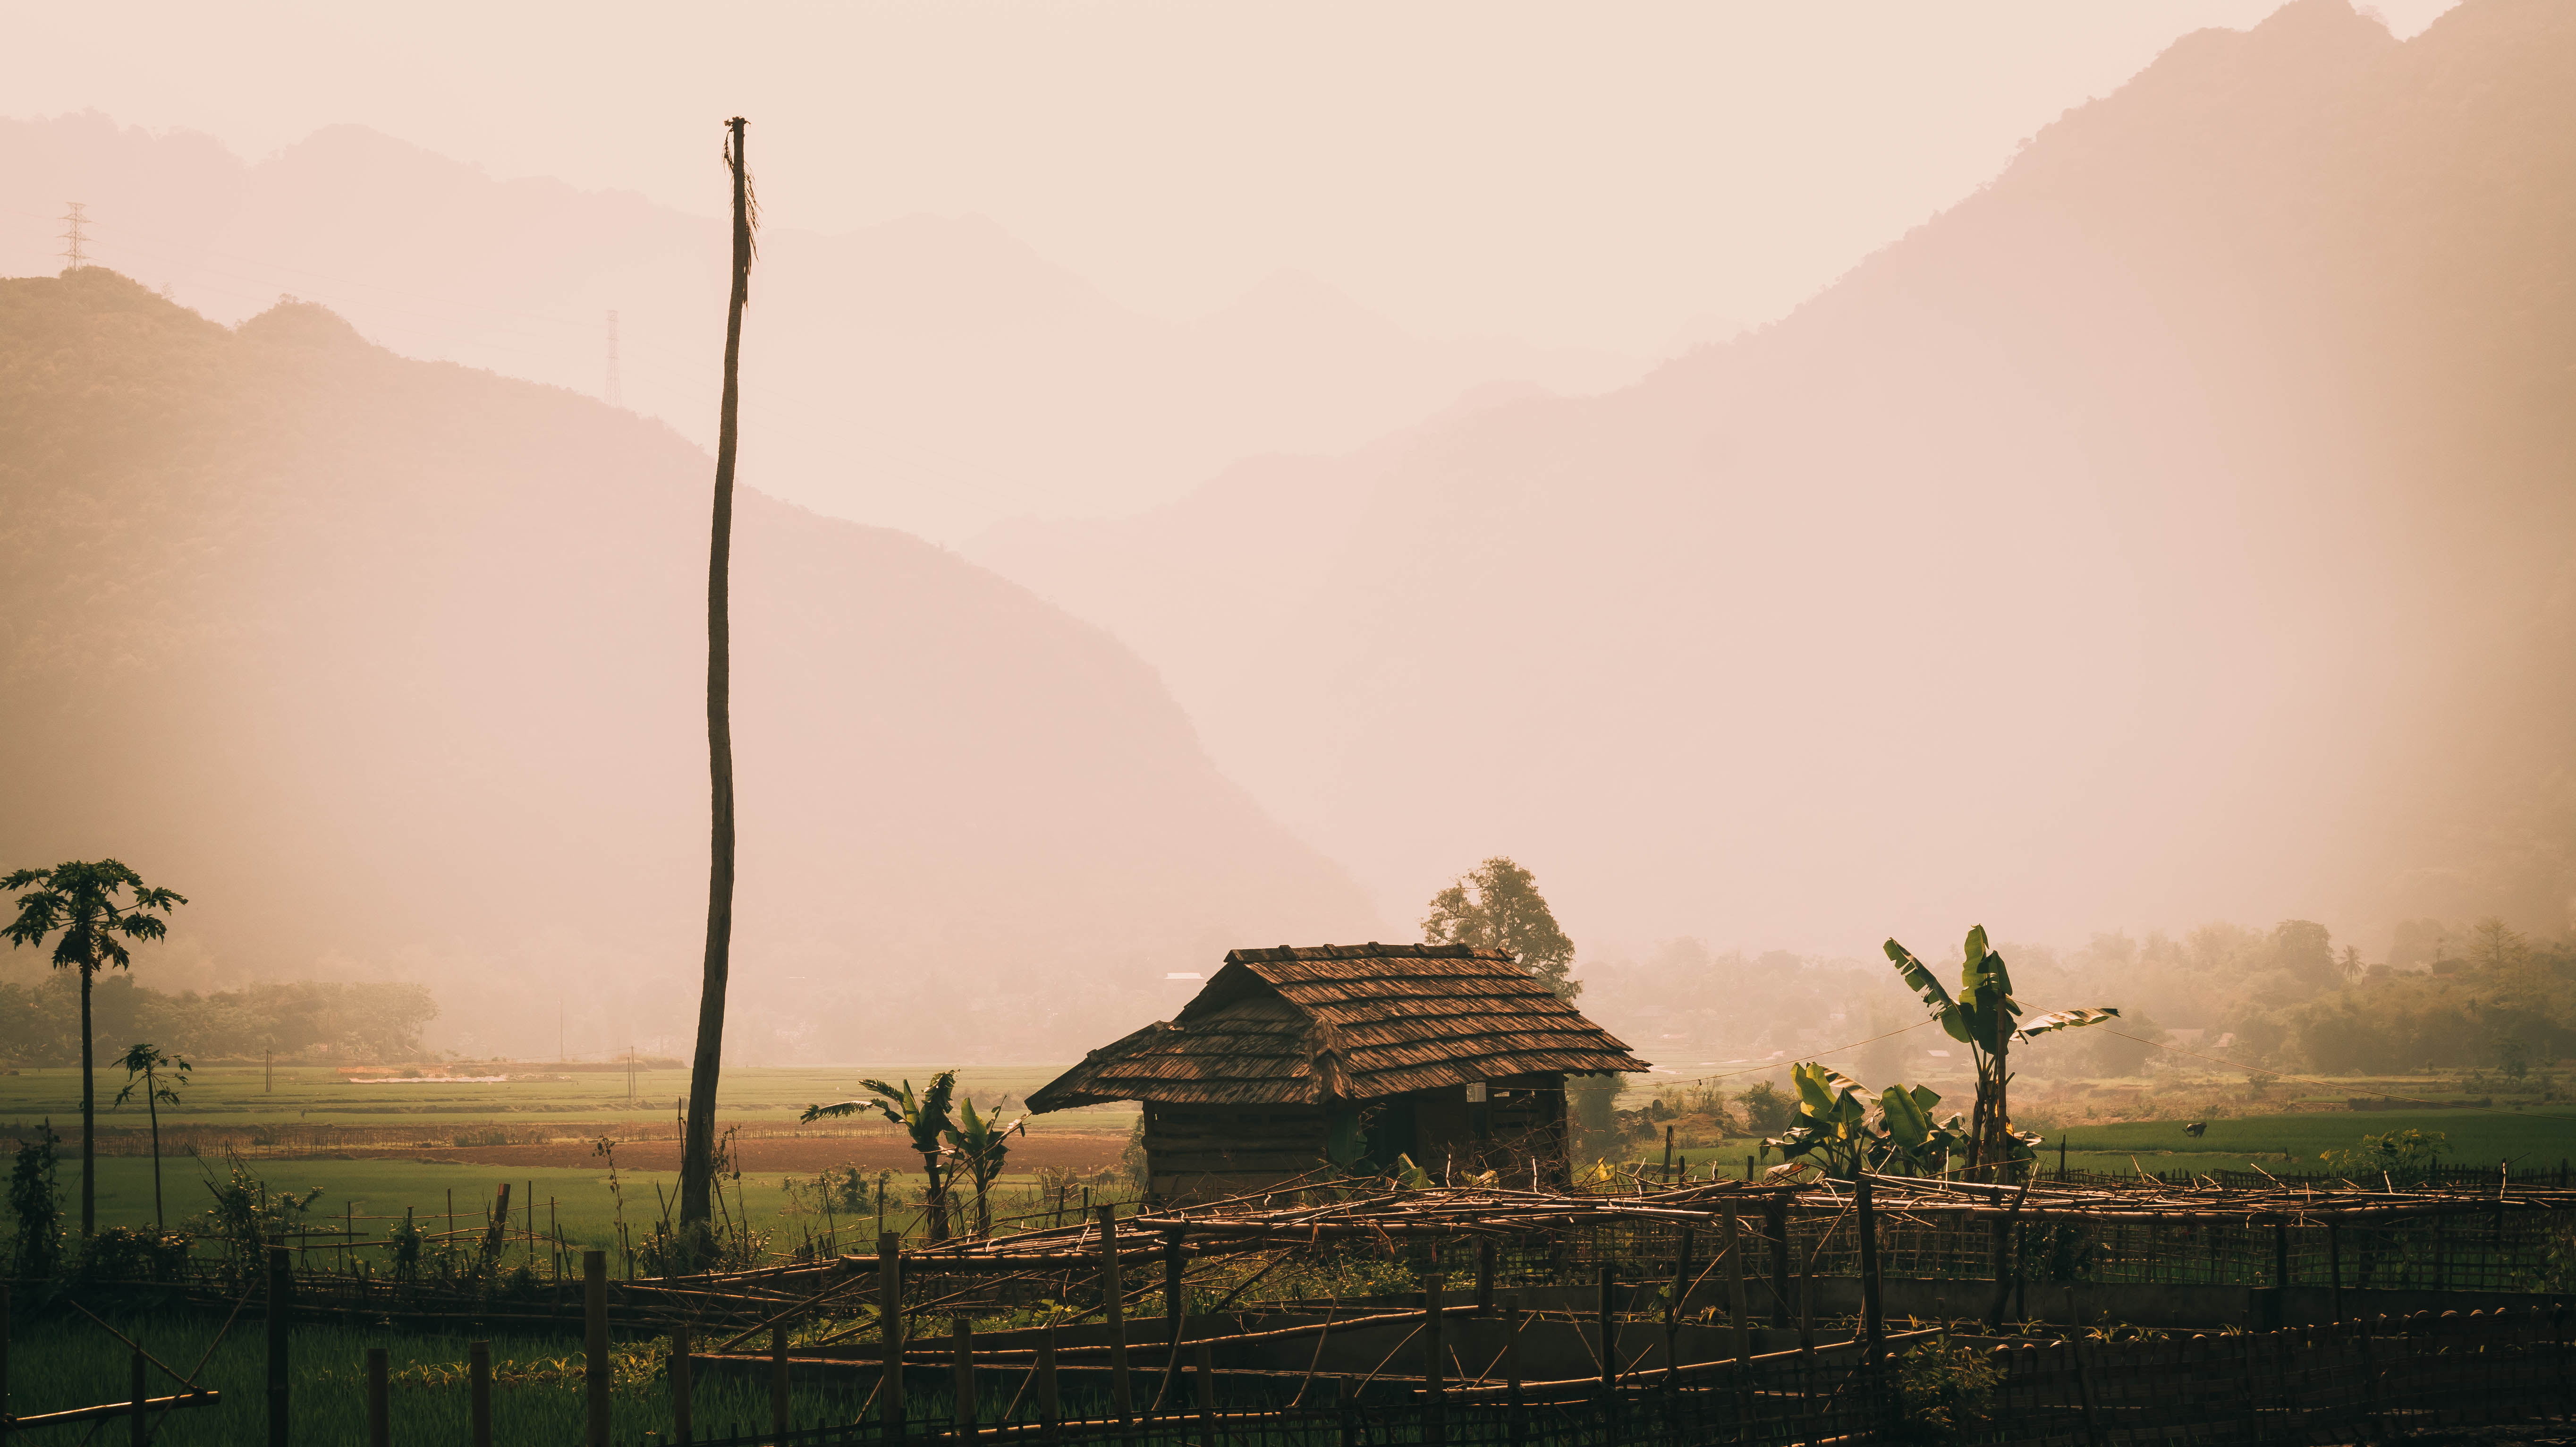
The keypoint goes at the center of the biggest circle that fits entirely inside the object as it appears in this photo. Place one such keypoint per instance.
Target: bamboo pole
(962, 1363)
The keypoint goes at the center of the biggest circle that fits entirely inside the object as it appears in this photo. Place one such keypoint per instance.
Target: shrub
(36, 1204)
(119, 1253)
(1949, 1391)
(2403, 1156)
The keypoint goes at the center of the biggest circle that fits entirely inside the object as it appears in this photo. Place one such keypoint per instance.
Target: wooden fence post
(1050, 1407)
(1735, 1303)
(281, 1306)
(138, 1430)
(1122, 1392)
(680, 1388)
(1673, 1311)
(1775, 1224)
(1175, 1313)
(1609, 1332)
(1873, 1325)
(380, 1417)
(1433, 1357)
(1516, 1417)
(594, 1344)
(478, 1394)
(1203, 1365)
(890, 1331)
(4, 1362)
(781, 1416)
(1485, 1277)
(2334, 1266)
(961, 1358)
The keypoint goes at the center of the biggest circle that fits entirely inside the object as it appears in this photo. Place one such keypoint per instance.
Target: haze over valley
(2173, 531)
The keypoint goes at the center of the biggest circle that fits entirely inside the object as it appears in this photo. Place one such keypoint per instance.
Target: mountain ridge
(396, 668)
(2209, 451)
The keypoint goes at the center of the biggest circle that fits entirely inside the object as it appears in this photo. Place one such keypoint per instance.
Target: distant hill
(2180, 527)
(396, 668)
(931, 373)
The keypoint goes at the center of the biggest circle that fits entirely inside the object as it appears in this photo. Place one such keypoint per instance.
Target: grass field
(377, 1150)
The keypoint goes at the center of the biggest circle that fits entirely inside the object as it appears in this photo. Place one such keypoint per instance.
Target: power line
(75, 254)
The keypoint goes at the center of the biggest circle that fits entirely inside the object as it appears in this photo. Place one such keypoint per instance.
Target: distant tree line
(357, 1022)
(2479, 996)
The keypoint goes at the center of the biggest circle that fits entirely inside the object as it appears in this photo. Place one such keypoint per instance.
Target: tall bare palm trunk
(697, 1159)
(89, 1113)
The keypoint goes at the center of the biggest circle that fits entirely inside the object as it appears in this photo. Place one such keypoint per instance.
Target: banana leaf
(1919, 978)
(2064, 1020)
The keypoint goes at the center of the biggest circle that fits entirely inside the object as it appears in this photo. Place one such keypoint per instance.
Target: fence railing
(2354, 1381)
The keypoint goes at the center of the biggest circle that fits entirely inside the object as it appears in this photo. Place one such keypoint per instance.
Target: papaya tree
(79, 899)
(158, 1074)
(981, 1143)
(1986, 1018)
(1849, 1128)
(924, 1118)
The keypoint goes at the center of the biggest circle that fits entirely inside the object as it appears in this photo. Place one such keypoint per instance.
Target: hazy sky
(1574, 173)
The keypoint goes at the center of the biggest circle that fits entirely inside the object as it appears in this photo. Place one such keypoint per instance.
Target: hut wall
(1521, 1120)
(1203, 1151)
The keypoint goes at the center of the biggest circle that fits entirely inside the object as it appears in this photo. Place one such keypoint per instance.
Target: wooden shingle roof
(1303, 1026)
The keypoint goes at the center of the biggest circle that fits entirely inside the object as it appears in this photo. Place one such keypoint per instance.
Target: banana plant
(981, 1142)
(924, 1118)
(1850, 1128)
(1915, 1142)
(1986, 1018)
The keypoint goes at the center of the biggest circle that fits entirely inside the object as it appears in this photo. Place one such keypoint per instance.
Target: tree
(924, 1118)
(79, 898)
(981, 1143)
(698, 1148)
(2494, 947)
(1766, 1108)
(146, 1067)
(2304, 949)
(1498, 907)
(1983, 1019)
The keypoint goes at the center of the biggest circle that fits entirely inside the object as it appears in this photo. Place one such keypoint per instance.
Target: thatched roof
(1303, 1026)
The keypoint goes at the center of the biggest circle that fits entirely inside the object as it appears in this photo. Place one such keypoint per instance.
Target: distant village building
(1292, 1061)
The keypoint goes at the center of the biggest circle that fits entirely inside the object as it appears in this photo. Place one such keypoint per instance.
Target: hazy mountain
(2180, 527)
(396, 668)
(930, 373)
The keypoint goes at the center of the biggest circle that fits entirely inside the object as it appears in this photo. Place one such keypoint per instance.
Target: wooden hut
(1292, 1058)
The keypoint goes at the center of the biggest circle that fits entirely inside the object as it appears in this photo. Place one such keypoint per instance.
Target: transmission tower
(614, 399)
(75, 245)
